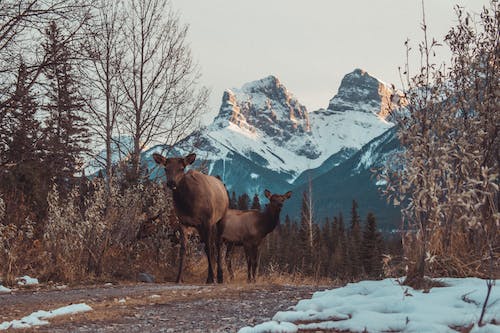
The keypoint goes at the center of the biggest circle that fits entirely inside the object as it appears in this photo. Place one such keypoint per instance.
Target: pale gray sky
(308, 45)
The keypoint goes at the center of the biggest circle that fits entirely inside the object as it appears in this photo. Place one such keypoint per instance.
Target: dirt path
(157, 307)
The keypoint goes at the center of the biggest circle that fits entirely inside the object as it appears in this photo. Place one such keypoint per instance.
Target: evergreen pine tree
(335, 233)
(66, 132)
(255, 202)
(233, 202)
(338, 260)
(371, 250)
(342, 251)
(295, 251)
(243, 201)
(22, 128)
(25, 181)
(326, 251)
(355, 241)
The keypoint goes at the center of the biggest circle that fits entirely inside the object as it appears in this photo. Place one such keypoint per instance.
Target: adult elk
(200, 201)
(248, 228)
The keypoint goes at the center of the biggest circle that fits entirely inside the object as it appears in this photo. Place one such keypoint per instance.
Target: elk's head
(174, 167)
(277, 200)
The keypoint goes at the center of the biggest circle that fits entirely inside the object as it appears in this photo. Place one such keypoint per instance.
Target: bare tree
(160, 80)
(103, 47)
(21, 23)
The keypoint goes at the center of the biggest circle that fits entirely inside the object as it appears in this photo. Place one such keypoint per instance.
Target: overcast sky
(308, 45)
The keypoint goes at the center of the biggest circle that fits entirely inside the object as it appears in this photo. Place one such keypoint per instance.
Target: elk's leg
(207, 239)
(218, 244)
(248, 256)
(229, 249)
(182, 253)
(254, 253)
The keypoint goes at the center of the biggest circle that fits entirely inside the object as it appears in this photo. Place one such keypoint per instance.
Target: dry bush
(449, 186)
(14, 245)
(93, 232)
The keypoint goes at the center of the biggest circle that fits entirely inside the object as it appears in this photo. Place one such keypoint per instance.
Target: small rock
(145, 277)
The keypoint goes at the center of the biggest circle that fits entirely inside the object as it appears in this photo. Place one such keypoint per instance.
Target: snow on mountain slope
(334, 130)
(355, 115)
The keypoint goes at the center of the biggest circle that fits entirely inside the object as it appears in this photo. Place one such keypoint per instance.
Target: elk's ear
(267, 194)
(189, 159)
(159, 159)
(287, 195)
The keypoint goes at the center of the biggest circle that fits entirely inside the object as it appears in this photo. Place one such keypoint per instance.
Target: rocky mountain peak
(268, 85)
(264, 105)
(359, 91)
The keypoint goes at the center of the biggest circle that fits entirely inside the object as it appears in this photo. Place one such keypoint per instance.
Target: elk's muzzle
(171, 185)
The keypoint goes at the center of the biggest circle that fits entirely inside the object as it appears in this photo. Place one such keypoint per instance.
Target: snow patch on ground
(270, 326)
(26, 280)
(4, 289)
(38, 318)
(381, 306)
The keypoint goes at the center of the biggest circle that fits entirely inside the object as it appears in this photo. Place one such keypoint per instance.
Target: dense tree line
(345, 251)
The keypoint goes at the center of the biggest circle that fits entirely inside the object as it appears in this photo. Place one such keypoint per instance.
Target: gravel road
(156, 307)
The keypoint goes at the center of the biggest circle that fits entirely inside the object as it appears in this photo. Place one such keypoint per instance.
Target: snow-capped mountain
(264, 123)
(263, 137)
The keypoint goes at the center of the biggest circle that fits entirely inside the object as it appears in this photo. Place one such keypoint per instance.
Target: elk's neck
(182, 196)
(270, 219)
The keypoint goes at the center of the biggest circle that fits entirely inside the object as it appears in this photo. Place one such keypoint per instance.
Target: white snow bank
(4, 289)
(270, 326)
(37, 318)
(381, 306)
(26, 280)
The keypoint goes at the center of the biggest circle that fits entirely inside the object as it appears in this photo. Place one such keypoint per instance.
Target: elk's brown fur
(200, 201)
(248, 228)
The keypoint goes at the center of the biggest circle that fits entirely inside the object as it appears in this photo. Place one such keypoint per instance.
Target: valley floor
(155, 307)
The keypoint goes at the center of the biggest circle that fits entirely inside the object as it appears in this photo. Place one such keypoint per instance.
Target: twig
(489, 284)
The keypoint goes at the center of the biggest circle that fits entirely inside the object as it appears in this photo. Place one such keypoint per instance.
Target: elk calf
(248, 228)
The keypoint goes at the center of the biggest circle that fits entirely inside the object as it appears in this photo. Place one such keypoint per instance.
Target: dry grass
(196, 272)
